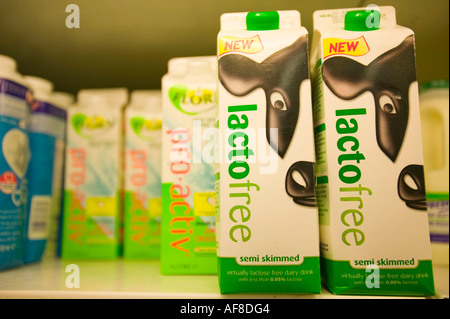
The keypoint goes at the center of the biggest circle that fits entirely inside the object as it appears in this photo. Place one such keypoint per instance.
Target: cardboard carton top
(288, 19)
(148, 100)
(113, 97)
(334, 19)
(192, 66)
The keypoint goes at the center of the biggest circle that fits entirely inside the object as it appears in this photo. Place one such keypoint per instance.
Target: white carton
(142, 175)
(15, 103)
(188, 241)
(94, 175)
(434, 112)
(268, 233)
(370, 183)
(47, 128)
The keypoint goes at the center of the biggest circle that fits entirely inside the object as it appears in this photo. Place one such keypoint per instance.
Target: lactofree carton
(370, 182)
(268, 232)
(142, 178)
(93, 175)
(188, 241)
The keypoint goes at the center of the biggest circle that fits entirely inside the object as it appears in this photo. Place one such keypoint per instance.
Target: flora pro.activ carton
(370, 181)
(188, 238)
(268, 233)
(93, 175)
(142, 175)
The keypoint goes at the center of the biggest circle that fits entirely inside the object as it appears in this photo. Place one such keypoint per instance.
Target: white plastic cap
(177, 67)
(63, 99)
(148, 99)
(197, 66)
(41, 88)
(90, 99)
(7, 64)
(8, 69)
(114, 97)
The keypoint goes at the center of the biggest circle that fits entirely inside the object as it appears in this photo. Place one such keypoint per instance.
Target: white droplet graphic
(16, 149)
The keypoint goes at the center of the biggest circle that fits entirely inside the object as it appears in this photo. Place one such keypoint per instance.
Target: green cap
(435, 84)
(362, 20)
(260, 21)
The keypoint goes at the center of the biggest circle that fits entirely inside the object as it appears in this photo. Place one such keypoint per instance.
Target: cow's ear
(397, 67)
(345, 77)
(239, 74)
(290, 62)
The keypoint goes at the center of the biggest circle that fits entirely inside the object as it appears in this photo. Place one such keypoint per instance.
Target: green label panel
(304, 278)
(142, 228)
(188, 241)
(437, 196)
(90, 233)
(341, 278)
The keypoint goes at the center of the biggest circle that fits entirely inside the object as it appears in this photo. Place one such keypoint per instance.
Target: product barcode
(39, 225)
(39, 217)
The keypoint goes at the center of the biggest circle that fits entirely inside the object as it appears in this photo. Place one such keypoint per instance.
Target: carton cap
(7, 64)
(92, 100)
(259, 21)
(382, 17)
(8, 70)
(197, 66)
(62, 99)
(362, 20)
(41, 87)
(113, 97)
(435, 84)
(148, 99)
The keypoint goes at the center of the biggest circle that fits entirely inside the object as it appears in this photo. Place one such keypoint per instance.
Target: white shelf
(135, 279)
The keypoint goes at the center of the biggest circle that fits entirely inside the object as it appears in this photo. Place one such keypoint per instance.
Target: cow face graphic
(388, 78)
(302, 192)
(412, 191)
(280, 76)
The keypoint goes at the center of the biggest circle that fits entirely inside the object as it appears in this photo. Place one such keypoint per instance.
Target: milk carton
(267, 227)
(93, 175)
(15, 101)
(188, 242)
(434, 116)
(370, 181)
(47, 133)
(142, 178)
(63, 100)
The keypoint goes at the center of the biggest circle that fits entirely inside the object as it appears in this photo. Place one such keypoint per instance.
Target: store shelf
(441, 280)
(135, 279)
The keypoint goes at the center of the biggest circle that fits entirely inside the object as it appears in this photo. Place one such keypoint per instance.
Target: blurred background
(128, 43)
